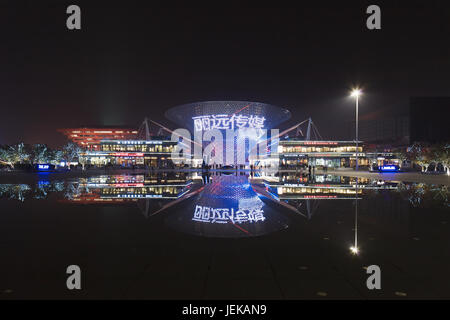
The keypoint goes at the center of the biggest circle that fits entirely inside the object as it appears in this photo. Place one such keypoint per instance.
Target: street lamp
(356, 93)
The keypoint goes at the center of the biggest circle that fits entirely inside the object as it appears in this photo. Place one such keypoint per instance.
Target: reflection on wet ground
(211, 235)
(227, 206)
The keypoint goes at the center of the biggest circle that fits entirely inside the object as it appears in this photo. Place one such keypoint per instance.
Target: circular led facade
(227, 115)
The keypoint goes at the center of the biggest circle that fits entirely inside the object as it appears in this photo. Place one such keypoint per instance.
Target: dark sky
(132, 60)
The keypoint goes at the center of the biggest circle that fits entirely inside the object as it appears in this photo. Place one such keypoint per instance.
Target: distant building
(294, 153)
(429, 119)
(90, 137)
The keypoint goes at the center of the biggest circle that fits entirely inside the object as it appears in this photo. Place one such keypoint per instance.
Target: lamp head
(356, 92)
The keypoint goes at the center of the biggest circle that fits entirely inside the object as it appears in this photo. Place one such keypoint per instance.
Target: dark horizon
(130, 61)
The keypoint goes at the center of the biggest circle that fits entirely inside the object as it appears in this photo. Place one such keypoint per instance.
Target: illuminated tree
(19, 153)
(6, 157)
(424, 155)
(56, 156)
(70, 152)
(40, 154)
(417, 153)
(440, 154)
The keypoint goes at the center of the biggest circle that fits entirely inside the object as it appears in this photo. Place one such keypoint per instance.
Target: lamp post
(356, 93)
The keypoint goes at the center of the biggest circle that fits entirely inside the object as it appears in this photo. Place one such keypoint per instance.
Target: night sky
(132, 60)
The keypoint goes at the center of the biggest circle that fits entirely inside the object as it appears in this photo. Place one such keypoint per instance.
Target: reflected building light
(227, 215)
(354, 249)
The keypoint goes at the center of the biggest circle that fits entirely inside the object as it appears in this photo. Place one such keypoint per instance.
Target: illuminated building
(128, 147)
(231, 115)
(222, 115)
(228, 116)
(331, 154)
(90, 137)
(127, 153)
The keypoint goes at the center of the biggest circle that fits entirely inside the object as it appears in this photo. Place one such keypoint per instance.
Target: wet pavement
(223, 237)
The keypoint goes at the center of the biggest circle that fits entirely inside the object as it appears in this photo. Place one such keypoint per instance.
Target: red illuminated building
(90, 137)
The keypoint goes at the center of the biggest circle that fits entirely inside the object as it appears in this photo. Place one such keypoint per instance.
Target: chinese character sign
(227, 122)
(225, 215)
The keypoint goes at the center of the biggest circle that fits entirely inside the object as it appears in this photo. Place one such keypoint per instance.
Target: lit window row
(302, 149)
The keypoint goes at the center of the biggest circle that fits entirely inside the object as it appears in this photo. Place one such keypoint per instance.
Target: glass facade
(130, 153)
(325, 154)
(307, 149)
(141, 147)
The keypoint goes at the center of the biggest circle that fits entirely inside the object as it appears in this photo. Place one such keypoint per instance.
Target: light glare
(356, 92)
(354, 250)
